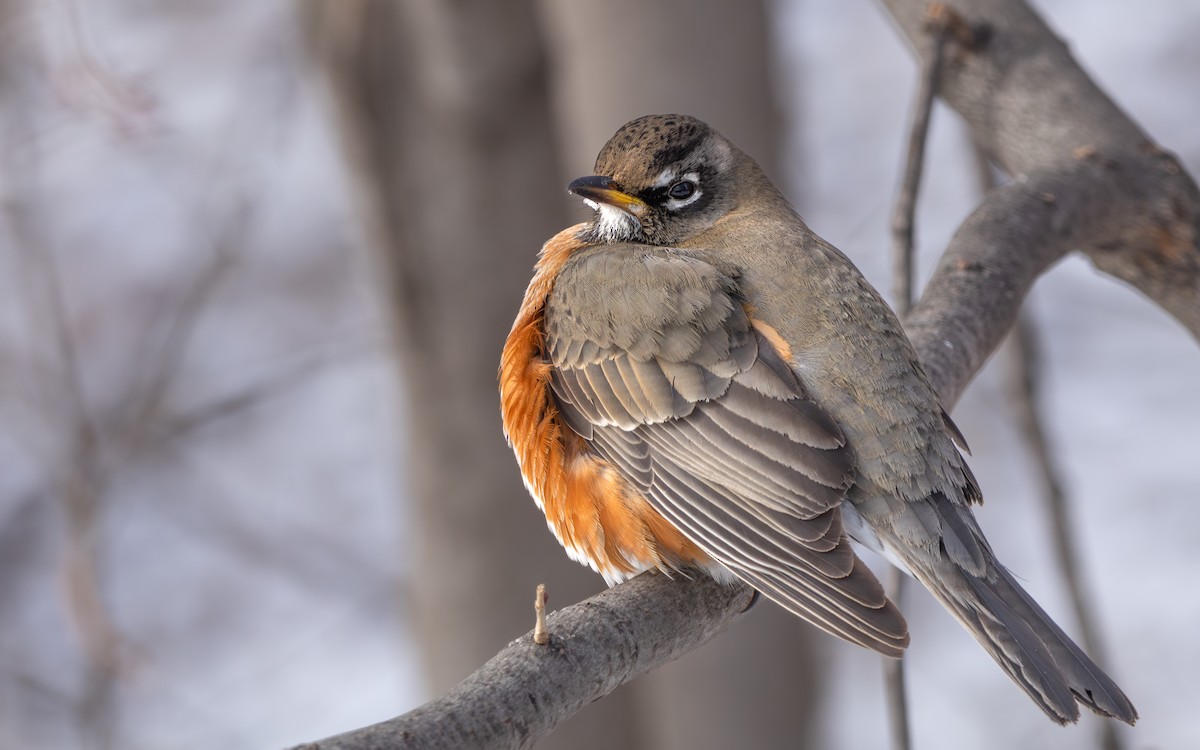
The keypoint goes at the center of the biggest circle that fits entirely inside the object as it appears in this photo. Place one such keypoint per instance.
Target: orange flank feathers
(597, 516)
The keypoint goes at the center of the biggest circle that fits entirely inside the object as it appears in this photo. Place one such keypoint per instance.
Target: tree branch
(595, 646)
(1087, 178)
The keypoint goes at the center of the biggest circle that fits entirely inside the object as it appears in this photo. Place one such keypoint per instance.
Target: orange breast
(598, 517)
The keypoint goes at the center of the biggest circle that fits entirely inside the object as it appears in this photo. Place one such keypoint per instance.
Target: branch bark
(1086, 178)
(595, 646)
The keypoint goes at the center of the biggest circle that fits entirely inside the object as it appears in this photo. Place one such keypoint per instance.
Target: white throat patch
(613, 224)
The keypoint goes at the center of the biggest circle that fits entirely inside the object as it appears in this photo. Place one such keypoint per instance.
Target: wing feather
(855, 609)
(669, 379)
(821, 467)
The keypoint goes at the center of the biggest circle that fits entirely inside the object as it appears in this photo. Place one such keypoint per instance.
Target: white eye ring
(674, 204)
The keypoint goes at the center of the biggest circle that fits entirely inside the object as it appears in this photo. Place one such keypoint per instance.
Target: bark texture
(595, 646)
(1085, 178)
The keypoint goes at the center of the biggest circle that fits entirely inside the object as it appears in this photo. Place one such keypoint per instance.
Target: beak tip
(591, 182)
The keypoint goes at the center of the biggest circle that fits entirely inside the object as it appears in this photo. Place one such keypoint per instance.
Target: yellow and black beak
(596, 189)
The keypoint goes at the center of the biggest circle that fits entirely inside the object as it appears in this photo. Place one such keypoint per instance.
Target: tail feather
(1088, 682)
(1020, 651)
(1023, 640)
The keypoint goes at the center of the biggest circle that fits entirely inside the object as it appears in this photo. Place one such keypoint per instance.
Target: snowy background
(157, 157)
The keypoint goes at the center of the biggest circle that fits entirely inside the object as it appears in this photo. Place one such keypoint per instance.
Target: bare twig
(80, 484)
(904, 211)
(1023, 356)
(79, 481)
(117, 99)
(170, 425)
(146, 395)
(541, 635)
(895, 692)
(903, 223)
(72, 455)
(277, 544)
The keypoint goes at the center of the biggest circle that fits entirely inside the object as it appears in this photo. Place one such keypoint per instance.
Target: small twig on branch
(903, 223)
(595, 646)
(541, 636)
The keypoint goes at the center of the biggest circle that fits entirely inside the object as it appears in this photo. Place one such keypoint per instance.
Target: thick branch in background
(1025, 227)
(1087, 178)
(598, 87)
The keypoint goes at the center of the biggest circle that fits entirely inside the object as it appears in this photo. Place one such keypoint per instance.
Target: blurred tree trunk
(622, 59)
(445, 117)
(613, 61)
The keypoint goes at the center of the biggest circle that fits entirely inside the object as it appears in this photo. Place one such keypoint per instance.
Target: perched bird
(697, 380)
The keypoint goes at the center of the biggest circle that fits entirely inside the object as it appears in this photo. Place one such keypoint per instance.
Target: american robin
(697, 380)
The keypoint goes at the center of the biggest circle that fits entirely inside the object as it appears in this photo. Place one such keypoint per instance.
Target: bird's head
(662, 179)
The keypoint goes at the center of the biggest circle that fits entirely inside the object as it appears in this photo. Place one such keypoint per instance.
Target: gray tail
(1025, 642)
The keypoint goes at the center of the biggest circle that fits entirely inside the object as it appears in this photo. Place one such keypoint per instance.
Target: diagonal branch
(1087, 179)
(595, 646)
(1025, 227)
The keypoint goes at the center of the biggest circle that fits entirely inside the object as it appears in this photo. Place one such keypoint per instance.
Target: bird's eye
(682, 190)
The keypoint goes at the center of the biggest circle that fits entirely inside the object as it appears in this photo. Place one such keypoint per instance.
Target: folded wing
(670, 379)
